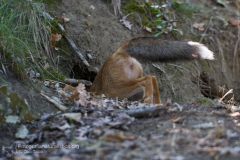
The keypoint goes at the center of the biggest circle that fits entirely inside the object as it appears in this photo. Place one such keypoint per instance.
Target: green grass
(25, 37)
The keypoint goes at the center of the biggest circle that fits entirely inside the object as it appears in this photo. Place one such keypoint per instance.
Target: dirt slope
(96, 29)
(204, 130)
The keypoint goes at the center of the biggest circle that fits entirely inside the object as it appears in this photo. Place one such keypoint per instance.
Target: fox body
(122, 74)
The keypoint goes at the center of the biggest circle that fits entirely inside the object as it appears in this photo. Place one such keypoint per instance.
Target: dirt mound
(93, 26)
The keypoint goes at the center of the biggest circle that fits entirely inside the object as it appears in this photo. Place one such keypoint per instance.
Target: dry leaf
(65, 19)
(73, 116)
(234, 22)
(12, 119)
(148, 29)
(199, 26)
(68, 91)
(80, 95)
(22, 132)
(92, 7)
(120, 137)
(63, 127)
(235, 114)
(55, 38)
(178, 120)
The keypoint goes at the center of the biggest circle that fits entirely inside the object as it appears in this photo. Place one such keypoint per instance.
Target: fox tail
(156, 50)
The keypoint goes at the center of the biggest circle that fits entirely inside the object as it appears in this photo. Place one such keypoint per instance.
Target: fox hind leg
(148, 92)
(146, 83)
(131, 88)
(156, 91)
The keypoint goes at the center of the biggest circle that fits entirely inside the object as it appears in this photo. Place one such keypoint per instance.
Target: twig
(228, 92)
(69, 41)
(146, 111)
(167, 77)
(75, 82)
(205, 31)
(76, 50)
(57, 104)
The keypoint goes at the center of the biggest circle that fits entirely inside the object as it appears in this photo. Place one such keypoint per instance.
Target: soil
(192, 128)
(108, 131)
(99, 32)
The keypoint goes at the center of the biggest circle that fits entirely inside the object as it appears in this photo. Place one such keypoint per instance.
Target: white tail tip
(204, 52)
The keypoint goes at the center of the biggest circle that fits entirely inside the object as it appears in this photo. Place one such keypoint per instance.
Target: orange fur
(122, 75)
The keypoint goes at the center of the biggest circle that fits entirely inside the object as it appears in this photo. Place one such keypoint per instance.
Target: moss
(13, 104)
(184, 8)
(205, 102)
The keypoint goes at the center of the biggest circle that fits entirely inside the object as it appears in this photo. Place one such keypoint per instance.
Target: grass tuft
(25, 36)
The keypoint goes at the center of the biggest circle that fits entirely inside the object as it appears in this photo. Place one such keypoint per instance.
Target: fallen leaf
(234, 108)
(199, 26)
(65, 19)
(22, 132)
(55, 38)
(73, 116)
(64, 127)
(68, 90)
(80, 95)
(12, 119)
(148, 29)
(222, 2)
(234, 22)
(178, 120)
(235, 114)
(92, 7)
(118, 137)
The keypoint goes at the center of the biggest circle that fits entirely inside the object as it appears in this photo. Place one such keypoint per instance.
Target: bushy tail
(157, 50)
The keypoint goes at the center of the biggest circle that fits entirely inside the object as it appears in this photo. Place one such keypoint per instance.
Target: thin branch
(69, 41)
(57, 104)
(146, 111)
(228, 92)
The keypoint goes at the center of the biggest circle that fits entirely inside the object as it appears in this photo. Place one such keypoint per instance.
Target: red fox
(122, 74)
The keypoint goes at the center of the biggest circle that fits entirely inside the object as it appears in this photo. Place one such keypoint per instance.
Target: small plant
(184, 8)
(157, 17)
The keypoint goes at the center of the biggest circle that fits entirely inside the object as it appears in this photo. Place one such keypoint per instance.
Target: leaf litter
(100, 128)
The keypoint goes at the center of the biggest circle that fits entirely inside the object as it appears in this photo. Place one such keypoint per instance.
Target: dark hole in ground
(82, 72)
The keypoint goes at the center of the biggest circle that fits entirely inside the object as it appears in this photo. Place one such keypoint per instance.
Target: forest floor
(123, 130)
(112, 129)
